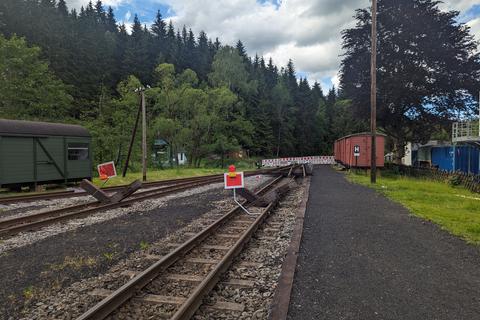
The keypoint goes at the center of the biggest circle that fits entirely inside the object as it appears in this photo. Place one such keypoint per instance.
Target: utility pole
(373, 93)
(132, 139)
(144, 136)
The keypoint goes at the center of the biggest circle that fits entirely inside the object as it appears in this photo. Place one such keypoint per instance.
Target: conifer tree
(242, 51)
(159, 31)
(111, 23)
(204, 57)
(62, 8)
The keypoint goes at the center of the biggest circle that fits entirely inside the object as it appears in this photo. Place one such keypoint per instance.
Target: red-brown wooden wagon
(344, 150)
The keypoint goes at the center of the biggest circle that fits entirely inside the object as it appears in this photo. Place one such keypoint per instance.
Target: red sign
(233, 180)
(107, 170)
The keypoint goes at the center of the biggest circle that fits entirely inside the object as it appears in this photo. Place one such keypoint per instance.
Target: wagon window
(78, 151)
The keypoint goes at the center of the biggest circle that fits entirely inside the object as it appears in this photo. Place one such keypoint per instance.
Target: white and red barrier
(298, 160)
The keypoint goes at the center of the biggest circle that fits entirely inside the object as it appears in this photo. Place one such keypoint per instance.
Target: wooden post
(144, 137)
(132, 140)
(373, 93)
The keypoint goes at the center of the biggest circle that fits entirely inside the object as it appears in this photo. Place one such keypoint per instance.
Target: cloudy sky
(308, 31)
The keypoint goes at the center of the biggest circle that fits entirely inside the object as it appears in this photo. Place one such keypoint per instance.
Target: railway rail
(232, 230)
(72, 194)
(14, 225)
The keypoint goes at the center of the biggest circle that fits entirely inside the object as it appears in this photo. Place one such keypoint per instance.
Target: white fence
(298, 160)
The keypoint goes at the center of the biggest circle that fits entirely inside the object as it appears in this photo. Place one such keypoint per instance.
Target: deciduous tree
(428, 68)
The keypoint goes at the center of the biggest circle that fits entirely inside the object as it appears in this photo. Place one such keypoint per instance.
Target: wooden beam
(94, 191)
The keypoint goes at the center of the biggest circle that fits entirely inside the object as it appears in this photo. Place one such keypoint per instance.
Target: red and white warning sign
(106, 170)
(232, 179)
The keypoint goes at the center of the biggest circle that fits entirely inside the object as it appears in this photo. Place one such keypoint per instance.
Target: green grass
(157, 175)
(152, 175)
(29, 292)
(165, 174)
(144, 245)
(455, 209)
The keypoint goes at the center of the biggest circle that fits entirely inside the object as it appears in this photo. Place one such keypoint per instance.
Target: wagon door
(50, 158)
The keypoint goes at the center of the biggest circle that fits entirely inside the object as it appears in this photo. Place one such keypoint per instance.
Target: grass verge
(152, 175)
(157, 175)
(455, 209)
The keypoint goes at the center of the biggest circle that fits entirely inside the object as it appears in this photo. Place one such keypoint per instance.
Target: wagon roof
(35, 128)
(361, 134)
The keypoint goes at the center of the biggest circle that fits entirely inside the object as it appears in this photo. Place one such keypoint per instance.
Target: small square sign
(356, 151)
(107, 169)
(233, 181)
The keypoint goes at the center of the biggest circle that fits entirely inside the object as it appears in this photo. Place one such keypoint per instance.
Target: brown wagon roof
(35, 128)
(361, 134)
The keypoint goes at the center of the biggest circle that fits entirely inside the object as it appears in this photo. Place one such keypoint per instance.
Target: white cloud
(460, 5)
(115, 3)
(112, 3)
(127, 17)
(475, 27)
(307, 31)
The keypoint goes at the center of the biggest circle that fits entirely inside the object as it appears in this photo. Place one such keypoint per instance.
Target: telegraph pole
(373, 93)
(144, 136)
(132, 139)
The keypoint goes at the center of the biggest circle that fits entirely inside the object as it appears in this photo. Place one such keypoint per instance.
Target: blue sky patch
(274, 2)
(146, 11)
(470, 14)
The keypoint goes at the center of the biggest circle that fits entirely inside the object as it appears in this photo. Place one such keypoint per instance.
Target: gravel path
(365, 257)
(58, 258)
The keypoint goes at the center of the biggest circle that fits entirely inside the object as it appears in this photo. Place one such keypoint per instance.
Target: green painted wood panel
(17, 160)
(45, 168)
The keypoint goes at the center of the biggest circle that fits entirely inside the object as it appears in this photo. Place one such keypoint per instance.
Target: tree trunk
(398, 150)
(170, 155)
(278, 140)
(119, 155)
(191, 159)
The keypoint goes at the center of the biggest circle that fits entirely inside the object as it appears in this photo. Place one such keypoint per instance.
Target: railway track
(72, 194)
(14, 225)
(225, 237)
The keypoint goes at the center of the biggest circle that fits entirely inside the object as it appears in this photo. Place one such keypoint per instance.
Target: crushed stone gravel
(27, 238)
(39, 270)
(267, 249)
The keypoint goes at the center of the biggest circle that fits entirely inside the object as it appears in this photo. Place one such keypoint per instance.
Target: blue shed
(443, 157)
(466, 158)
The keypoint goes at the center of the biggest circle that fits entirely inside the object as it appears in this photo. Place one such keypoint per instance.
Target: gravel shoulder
(364, 257)
(58, 258)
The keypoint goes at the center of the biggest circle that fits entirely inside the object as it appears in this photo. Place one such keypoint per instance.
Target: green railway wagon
(34, 153)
